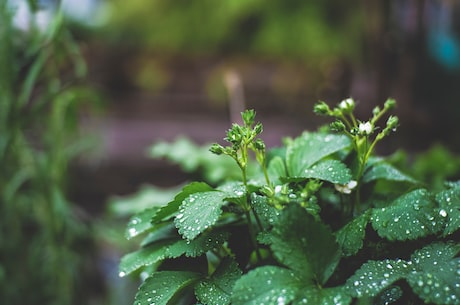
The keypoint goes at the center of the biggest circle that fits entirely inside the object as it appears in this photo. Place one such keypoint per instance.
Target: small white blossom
(365, 128)
(347, 104)
(346, 188)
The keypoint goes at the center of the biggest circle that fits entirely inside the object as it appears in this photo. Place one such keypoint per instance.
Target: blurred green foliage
(299, 29)
(43, 244)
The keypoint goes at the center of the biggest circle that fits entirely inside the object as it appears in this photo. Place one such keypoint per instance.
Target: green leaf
(410, 216)
(449, 204)
(329, 170)
(162, 287)
(304, 244)
(389, 295)
(174, 205)
(198, 212)
(276, 169)
(268, 214)
(436, 275)
(217, 289)
(351, 236)
(144, 257)
(309, 148)
(374, 276)
(324, 296)
(266, 285)
(140, 223)
(384, 170)
(147, 197)
(198, 246)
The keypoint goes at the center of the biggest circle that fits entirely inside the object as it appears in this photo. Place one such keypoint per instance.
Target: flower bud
(347, 105)
(248, 117)
(338, 126)
(365, 128)
(321, 108)
(390, 104)
(258, 128)
(216, 149)
(259, 145)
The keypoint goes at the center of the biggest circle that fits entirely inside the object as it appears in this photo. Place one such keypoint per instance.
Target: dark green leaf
(266, 213)
(198, 212)
(144, 257)
(162, 287)
(309, 148)
(174, 205)
(198, 246)
(388, 295)
(436, 275)
(217, 289)
(276, 168)
(410, 216)
(329, 170)
(266, 285)
(323, 296)
(383, 170)
(351, 236)
(374, 276)
(449, 203)
(140, 223)
(304, 244)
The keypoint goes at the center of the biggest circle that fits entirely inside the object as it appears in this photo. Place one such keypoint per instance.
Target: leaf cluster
(323, 221)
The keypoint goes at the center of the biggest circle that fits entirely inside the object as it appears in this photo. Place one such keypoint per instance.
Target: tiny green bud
(234, 135)
(216, 149)
(392, 124)
(267, 191)
(338, 126)
(259, 145)
(347, 105)
(258, 128)
(248, 117)
(390, 104)
(376, 110)
(321, 108)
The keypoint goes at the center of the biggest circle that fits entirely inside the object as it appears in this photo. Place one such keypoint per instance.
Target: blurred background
(88, 86)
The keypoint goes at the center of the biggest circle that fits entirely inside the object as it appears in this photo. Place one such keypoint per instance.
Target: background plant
(44, 246)
(323, 221)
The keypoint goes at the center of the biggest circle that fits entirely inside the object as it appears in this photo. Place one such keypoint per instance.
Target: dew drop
(121, 274)
(443, 213)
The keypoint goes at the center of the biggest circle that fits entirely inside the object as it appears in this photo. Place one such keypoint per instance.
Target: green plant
(323, 221)
(42, 243)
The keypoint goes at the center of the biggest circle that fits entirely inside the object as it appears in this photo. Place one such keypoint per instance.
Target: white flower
(348, 104)
(365, 128)
(346, 188)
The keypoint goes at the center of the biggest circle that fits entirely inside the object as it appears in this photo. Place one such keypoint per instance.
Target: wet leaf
(304, 244)
(276, 169)
(384, 170)
(309, 148)
(198, 212)
(449, 208)
(329, 170)
(436, 274)
(266, 285)
(351, 236)
(324, 296)
(374, 276)
(140, 223)
(410, 216)
(161, 287)
(268, 214)
(144, 257)
(388, 296)
(172, 207)
(217, 289)
(198, 246)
